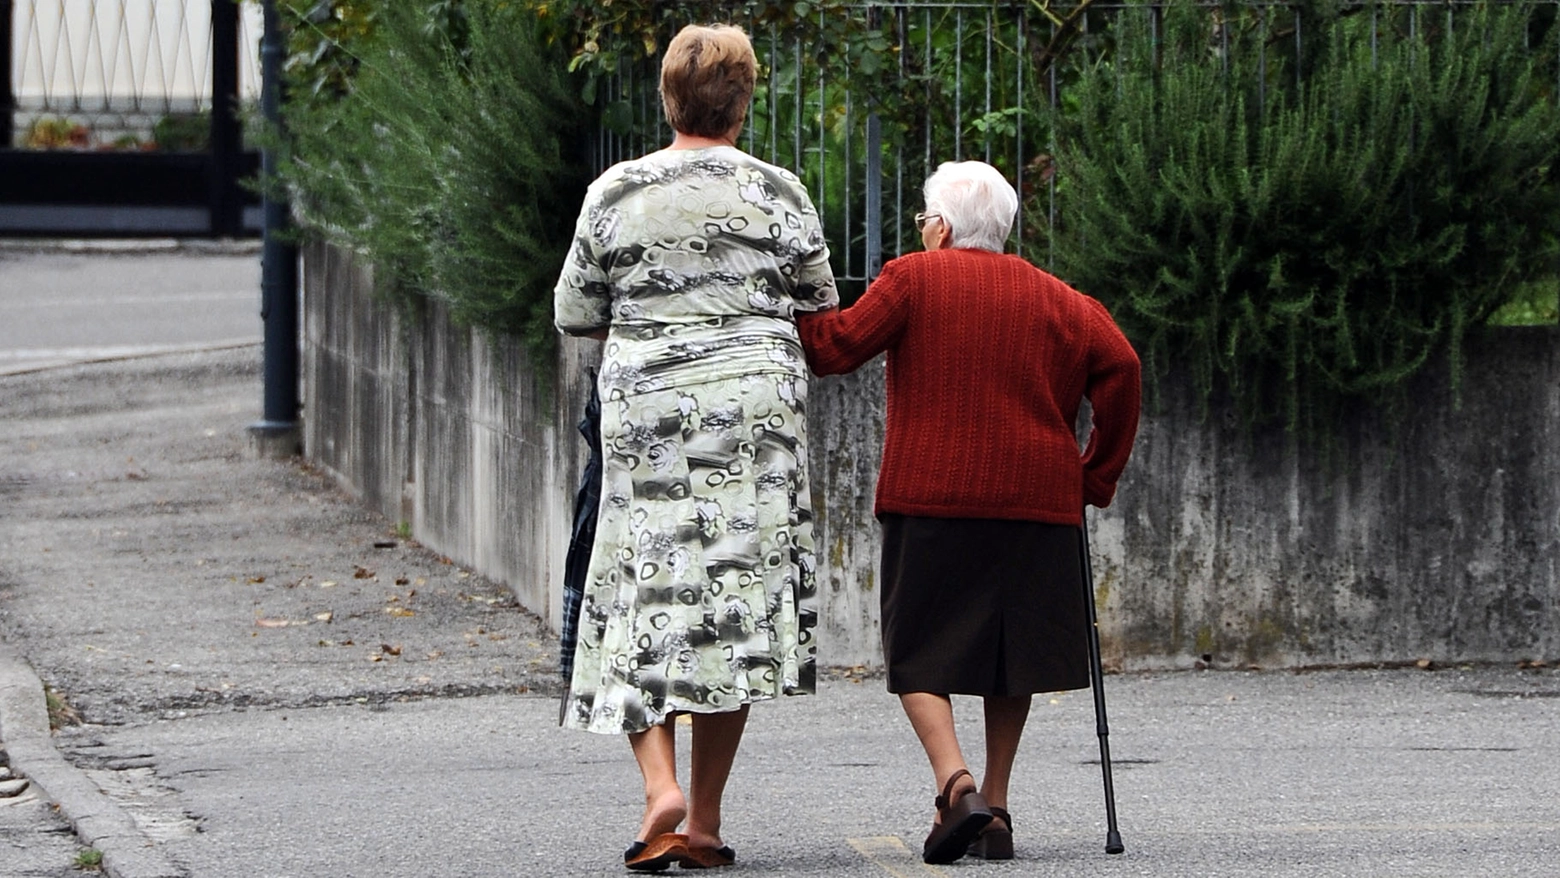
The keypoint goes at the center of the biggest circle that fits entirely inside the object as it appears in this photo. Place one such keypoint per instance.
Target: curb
(99, 822)
(134, 246)
(122, 355)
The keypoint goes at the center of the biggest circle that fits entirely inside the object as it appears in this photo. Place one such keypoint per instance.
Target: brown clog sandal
(961, 822)
(702, 857)
(656, 854)
(994, 842)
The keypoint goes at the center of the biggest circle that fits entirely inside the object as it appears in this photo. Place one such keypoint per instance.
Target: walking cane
(1113, 843)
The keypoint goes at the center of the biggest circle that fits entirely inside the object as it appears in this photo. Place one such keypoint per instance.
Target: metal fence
(966, 80)
(859, 140)
(125, 117)
(104, 73)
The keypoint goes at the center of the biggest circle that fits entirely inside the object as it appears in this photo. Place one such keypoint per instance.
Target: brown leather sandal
(702, 857)
(960, 822)
(656, 854)
(994, 842)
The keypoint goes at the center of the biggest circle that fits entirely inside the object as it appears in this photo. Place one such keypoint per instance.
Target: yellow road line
(888, 852)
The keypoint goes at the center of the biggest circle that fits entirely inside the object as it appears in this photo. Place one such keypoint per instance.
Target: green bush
(183, 132)
(1307, 238)
(444, 144)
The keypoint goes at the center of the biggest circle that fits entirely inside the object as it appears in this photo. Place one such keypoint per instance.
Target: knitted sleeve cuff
(1096, 491)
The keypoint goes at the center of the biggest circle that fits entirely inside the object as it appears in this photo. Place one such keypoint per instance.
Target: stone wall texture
(1437, 539)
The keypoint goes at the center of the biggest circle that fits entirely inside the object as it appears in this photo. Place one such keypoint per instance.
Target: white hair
(976, 202)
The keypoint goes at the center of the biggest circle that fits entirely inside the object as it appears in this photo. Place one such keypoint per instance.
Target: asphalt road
(71, 304)
(1218, 774)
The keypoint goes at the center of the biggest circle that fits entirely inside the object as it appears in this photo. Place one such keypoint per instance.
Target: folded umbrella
(576, 564)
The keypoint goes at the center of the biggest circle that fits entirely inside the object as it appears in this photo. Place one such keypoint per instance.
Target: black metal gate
(111, 127)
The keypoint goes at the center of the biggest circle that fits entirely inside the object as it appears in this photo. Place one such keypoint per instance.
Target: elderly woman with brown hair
(982, 484)
(692, 262)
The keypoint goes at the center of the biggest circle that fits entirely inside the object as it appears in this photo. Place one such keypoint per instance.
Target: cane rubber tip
(1113, 843)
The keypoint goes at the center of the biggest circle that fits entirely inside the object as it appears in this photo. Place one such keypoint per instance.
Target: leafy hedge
(1302, 232)
(1304, 238)
(443, 141)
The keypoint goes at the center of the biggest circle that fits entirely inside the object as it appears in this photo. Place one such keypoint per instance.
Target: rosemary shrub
(1303, 235)
(444, 144)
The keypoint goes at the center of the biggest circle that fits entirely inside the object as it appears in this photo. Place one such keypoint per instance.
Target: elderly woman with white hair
(982, 485)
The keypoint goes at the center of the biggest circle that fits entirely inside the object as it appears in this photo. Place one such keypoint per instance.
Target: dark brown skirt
(983, 606)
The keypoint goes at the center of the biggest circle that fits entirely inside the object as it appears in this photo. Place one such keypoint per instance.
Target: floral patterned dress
(701, 595)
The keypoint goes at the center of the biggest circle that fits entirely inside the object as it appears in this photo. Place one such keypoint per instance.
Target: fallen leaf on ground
(324, 617)
(361, 572)
(256, 580)
(276, 623)
(387, 649)
(402, 612)
(401, 580)
(329, 583)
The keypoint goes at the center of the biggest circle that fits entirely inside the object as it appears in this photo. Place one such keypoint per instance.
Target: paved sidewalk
(273, 682)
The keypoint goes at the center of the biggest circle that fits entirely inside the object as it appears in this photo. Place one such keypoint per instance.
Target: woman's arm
(841, 340)
(1115, 393)
(582, 298)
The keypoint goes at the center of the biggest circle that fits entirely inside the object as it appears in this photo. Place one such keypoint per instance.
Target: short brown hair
(707, 79)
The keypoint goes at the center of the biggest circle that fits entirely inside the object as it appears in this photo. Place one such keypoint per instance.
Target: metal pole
(277, 435)
(7, 88)
(874, 261)
(226, 199)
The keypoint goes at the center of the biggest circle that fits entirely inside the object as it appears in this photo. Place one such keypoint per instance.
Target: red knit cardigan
(988, 361)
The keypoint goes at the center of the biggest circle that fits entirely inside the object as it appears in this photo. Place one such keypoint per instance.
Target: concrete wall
(442, 428)
(1438, 541)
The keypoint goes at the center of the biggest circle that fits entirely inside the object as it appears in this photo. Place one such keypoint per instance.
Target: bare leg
(655, 749)
(1005, 718)
(931, 715)
(715, 740)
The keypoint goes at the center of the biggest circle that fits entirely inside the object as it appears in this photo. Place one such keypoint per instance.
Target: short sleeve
(815, 289)
(582, 300)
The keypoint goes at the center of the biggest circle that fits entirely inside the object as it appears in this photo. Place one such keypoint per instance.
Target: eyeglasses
(921, 219)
